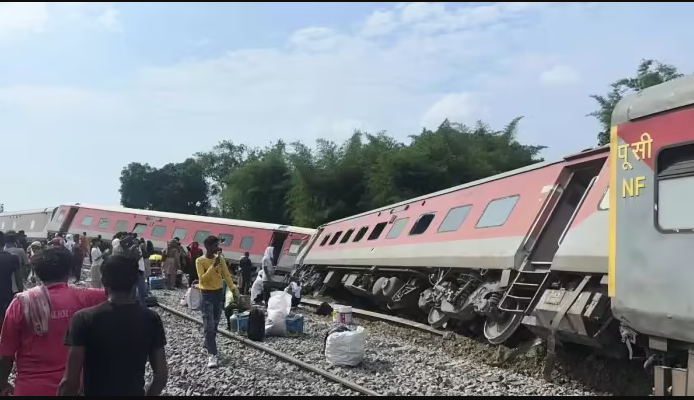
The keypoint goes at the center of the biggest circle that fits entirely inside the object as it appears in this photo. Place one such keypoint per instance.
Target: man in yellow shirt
(211, 269)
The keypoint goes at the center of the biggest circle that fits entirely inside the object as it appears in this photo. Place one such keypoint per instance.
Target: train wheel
(437, 319)
(391, 287)
(377, 289)
(499, 331)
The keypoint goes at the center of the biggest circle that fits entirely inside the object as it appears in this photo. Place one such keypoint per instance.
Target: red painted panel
(529, 185)
(261, 237)
(665, 129)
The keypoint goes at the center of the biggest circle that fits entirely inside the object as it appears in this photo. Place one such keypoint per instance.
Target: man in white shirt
(97, 260)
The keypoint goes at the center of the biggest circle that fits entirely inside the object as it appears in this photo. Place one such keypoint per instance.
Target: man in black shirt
(112, 342)
(246, 268)
(9, 264)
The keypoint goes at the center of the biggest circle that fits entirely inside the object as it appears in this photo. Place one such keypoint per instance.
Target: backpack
(256, 325)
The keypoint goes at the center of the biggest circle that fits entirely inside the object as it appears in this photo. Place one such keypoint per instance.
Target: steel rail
(280, 355)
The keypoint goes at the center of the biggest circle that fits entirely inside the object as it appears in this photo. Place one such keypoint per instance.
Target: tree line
(294, 183)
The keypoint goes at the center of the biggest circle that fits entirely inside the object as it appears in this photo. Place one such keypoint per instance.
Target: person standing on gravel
(35, 324)
(97, 259)
(111, 343)
(212, 269)
(246, 267)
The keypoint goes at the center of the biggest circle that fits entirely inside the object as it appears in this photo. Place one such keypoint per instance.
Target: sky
(86, 88)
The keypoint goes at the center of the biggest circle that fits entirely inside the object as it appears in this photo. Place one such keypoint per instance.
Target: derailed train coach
(32, 222)
(237, 236)
(549, 246)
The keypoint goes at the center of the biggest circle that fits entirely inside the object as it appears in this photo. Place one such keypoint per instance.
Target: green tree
(179, 188)
(649, 73)
(257, 190)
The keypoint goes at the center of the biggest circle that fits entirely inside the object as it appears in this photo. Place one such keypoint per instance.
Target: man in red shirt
(35, 325)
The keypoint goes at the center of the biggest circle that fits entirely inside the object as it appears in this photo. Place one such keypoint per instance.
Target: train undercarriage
(503, 306)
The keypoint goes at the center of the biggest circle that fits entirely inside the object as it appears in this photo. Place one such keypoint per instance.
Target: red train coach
(502, 249)
(160, 227)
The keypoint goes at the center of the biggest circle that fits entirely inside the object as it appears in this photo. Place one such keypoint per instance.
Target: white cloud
(559, 75)
(109, 19)
(403, 68)
(457, 107)
(379, 23)
(20, 16)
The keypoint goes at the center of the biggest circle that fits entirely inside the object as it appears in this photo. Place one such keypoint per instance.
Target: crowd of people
(68, 340)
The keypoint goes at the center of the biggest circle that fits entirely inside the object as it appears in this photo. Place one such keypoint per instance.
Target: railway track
(404, 359)
(358, 389)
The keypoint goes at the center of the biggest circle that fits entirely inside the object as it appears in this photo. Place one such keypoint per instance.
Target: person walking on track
(212, 269)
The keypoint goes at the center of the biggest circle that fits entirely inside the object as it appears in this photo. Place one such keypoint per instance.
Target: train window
(605, 200)
(225, 239)
(397, 228)
(674, 187)
(103, 223)
(455, 218)
(121, 226)
(158, 231)
(33, 223)
(422, 223)
(325, 239)
(335, 237)
(378, 229)
(139, 228)
(497, 212)
(200, 236)
(87, 221)
(180, 233)
(348, 235)
(360, 234)
(295, 246)
(246, 242)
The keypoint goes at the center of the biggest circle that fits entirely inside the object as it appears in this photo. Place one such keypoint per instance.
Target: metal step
(526, 287)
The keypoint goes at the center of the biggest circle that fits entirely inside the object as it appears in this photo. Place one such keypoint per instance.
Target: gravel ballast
(398, 361)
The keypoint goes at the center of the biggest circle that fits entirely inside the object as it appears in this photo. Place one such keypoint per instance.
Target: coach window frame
(177, 234)
(291, 245)
(656, 186)
(360, 233)
(138, 225)
(419, 221)
(228, 239)
(381, 226)
(335, 238)
(90, 218)
(397, 228)
(121, 225)
(508, 215)
(155, 231)
(347, 236)
(196, 236)
(242, 245)
(325, 239)
(448, 214)
(100, 223)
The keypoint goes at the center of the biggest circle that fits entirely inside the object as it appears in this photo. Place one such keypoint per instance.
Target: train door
(277, 242)
(65, 225)
(572, 186)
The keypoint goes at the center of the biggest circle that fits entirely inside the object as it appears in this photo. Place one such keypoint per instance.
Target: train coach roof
(655, 99)
(25, 212)
(211, 220)
(453, 189)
